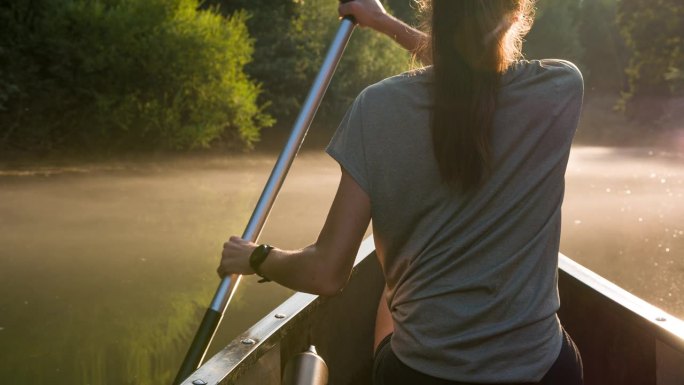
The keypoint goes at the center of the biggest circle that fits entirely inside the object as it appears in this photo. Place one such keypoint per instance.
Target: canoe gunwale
(238, 357)
(623, 339)
(666, 327)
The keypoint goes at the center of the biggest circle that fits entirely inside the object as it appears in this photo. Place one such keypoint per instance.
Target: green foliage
(406, 10)
(654, 33)
(115, 74)
(292, 38)
(369, 57)
(604, 56)
(277, 64)
(555, 31)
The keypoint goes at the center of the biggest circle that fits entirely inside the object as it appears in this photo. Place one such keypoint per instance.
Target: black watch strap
(258, 257)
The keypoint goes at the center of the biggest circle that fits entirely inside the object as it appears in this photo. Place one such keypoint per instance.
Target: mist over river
(106, 269)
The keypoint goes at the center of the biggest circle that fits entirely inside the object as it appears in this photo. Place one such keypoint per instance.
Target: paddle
(227, 287)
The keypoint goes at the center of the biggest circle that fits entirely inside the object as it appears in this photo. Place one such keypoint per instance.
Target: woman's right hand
(368, 13)
(235, 257)
(371, 14)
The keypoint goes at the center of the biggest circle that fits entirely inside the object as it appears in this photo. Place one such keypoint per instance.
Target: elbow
(331, 272)
(331, 283)
(331, 288)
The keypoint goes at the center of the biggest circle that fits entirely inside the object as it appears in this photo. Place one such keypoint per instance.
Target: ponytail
(470, 53)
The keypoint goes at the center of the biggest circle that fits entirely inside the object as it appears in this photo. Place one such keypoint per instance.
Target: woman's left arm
(323, 267)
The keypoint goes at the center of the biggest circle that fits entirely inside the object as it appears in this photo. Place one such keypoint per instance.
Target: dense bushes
(369, 58)
(555, 31)
(292, 38)
(654, 34)
(584, 33)
(631, 47)
(604, 51)
(124, 73)
(114, 74)
(121, 74)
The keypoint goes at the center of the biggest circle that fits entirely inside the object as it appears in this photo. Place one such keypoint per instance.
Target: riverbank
(600, 125)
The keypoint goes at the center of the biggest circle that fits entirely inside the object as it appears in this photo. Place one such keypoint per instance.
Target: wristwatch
(258, 257)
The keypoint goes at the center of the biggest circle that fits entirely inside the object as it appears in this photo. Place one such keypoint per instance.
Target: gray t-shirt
(472, 277)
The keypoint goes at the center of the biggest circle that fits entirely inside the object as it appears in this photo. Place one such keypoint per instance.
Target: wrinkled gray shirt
(472, 277)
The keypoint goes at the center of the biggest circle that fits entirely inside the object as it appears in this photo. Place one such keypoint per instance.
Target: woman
(461, 167)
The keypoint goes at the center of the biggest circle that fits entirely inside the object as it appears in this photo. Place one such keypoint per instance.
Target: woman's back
(471, 276)
(462, 177)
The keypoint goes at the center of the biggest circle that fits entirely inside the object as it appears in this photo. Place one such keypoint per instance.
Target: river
(106, 269)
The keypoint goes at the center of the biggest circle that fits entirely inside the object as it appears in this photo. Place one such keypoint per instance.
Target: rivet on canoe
(661, 319)
(199, 382)
(280, 316)
(248, 341)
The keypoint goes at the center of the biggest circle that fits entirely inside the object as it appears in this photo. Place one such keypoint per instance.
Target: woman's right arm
(323, 267)
(371, 14)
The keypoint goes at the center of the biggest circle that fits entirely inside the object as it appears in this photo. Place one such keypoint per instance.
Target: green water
(106, 270)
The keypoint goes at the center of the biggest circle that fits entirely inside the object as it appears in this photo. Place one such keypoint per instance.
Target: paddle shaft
(226, 288)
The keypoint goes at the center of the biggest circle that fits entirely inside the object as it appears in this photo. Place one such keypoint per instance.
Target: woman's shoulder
(407, 87)
(546, 65)
(552, 75)
(563, 70)
(558, 65)
(556, 68)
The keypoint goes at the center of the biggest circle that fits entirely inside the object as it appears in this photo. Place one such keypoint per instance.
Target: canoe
(623, 339)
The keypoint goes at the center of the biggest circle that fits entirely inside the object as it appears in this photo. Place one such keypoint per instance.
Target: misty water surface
(105, 270)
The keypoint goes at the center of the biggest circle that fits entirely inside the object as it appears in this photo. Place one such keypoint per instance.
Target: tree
(291, 39)
(406, 10)
(555, 31)
(654, 33)
(277, 63)
(604, 51)
(120, 74)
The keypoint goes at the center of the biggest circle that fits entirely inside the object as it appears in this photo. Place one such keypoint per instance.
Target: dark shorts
(389, 370)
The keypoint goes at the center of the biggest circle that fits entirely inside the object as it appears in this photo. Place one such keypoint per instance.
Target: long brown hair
(473, 42)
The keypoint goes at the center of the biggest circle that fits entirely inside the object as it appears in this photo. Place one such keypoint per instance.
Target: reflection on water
(106, 270)
(624, 218)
